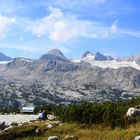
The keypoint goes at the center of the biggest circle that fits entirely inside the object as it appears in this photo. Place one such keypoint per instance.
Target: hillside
(102, 121)
(55, 79)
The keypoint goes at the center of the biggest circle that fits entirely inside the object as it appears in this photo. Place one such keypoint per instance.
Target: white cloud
(5, 22)
(97, 31)
(114, 27)
(63, 27)
(45, 25)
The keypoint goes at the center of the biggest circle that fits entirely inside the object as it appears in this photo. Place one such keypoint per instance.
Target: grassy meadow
(89, 121)
(81, 131)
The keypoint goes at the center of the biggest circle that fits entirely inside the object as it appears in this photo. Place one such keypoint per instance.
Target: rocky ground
(18, 118)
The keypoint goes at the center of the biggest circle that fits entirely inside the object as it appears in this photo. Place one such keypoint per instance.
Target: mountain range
(97, 57)
(55, 79)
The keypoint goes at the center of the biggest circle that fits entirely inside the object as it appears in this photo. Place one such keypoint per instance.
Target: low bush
(108, 113)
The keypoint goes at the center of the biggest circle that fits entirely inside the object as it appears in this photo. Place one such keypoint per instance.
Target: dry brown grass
(96, 133)
(84, 133)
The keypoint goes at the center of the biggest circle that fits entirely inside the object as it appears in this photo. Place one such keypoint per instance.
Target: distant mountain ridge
(106, 61)
(97, 56)
(55, 79)
(101, 57)
(86, 54)
(3, 57)
(134, 58)
(54, 54)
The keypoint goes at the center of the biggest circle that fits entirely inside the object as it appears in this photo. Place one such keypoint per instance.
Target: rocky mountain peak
(86, 54)
(55, 55)
(53, 79)
(56, 52)
(3, 57)
(101, 57)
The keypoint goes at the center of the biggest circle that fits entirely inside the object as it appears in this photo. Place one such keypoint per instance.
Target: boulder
(53, 138)
(49, 125)
(137, 138)
(50, 117)
(3, 125)
(132, 112)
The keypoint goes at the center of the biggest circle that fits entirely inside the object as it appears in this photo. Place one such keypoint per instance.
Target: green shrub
(109, 113)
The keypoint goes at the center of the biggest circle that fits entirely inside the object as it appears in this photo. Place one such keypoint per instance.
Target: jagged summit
(55, 55)
(95, 57)
(3, 57)
(100, 57)
(52, 79)
(56, 52)
(86, 54)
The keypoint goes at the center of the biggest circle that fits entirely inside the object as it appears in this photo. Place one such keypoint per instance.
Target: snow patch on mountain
(89, 57)
(114, 64)
(27, 60)
(4, 62)
(76, 60)
(103, 61)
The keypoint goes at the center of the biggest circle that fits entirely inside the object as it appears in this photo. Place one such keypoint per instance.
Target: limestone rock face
(54, 79)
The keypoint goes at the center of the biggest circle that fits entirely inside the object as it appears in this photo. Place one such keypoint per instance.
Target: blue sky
(29, 28)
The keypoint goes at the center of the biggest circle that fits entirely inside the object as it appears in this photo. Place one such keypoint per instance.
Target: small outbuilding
(27, 109)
